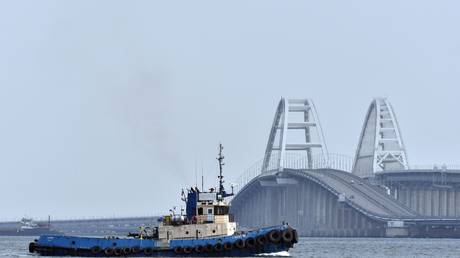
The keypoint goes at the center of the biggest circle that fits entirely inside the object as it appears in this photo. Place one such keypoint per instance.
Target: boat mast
(220, 158)
(221, 193)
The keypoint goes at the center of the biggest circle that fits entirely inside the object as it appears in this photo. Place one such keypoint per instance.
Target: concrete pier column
(282, 203)
(428, 201)
(267, 207)
(295, 204)
(322, 207)
(339, 218)
(451, 203)
(413, 197)
(302, 195)
(443, 202)
(347, 218)
(310, 207)
(315, 206)
(420, 200)
(331, 208)
(274, 206)
(252, 203)
(403, 195)
(457, 203)
(435, 204)
(335, 213)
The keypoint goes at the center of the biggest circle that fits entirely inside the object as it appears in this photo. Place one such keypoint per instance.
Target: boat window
(200, 211)
(221, 210)
(209, 211)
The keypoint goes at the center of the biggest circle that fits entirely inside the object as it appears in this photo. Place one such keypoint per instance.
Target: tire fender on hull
(32, 247)
(148, 251)
(108, 251)
(250, 242)
(274, 236)
(218, 247)
(239, 244)
(228, 246)
(287, 236)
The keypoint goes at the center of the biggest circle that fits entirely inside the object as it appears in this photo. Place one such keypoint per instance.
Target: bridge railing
(435, 167)
(296, 161)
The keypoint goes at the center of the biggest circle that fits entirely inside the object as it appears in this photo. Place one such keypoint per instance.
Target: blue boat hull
(265, 240)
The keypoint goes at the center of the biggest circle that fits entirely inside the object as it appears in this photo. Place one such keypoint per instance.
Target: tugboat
(207, 229)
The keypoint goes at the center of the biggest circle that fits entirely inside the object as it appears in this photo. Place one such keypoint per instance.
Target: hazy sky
(106, 106)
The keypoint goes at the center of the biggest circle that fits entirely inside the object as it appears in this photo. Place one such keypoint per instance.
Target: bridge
(322, 194)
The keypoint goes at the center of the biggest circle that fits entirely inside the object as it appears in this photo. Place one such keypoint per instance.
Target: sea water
(319, 247)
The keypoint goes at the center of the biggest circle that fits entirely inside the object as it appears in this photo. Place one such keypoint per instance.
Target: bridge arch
(296, 129)
(380, 145)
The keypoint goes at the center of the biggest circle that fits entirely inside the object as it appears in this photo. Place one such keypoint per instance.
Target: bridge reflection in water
(375, 194)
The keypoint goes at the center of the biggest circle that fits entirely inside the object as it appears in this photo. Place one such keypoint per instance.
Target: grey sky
(106, 106)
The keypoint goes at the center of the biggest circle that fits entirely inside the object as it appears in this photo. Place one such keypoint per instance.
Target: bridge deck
(369, 199)
(358, 192)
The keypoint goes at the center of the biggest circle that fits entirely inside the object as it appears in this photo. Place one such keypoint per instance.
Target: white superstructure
(207, 214)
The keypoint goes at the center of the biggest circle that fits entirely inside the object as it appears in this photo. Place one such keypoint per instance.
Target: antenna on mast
(202, 177)
(220, 158)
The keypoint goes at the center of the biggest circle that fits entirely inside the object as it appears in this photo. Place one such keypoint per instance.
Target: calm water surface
(319, 247)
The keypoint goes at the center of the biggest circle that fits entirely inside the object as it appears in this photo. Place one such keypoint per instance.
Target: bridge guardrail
(435, 167)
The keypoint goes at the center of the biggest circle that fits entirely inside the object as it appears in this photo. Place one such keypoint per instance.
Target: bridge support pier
(396, 229)
(397, 232)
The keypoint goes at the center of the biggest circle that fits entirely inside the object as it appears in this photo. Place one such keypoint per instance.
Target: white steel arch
(294, 115)
(380, 146)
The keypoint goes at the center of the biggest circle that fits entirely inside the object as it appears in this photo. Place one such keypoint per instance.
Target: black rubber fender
(148, 251)
(117, 251)
(95, 250)
(274, 236)
(295, 240)
(261, 240)
(228, 246)
(250, 242)
(239, 244)
(218, 247)
(108, 251)
(187, 250)
(177, 250)
(32, 247)
(208, 248)
(287, 236)
(135, 249)
(199, 248)
(127, 250)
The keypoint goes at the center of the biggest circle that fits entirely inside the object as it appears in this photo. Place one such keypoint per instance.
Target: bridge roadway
(368, 200)
(365, 196)
(358, 193)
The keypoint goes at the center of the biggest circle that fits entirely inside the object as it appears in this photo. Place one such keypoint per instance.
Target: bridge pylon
(380, 145)
(296, 129)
